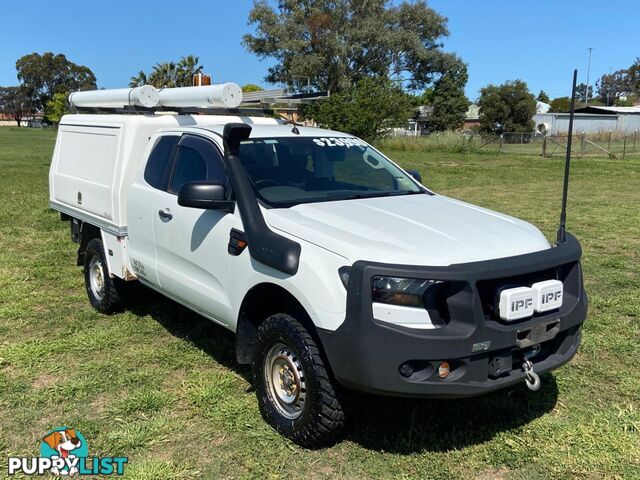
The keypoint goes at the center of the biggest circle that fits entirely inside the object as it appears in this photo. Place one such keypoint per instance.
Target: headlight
(408, 292)
(416, 303)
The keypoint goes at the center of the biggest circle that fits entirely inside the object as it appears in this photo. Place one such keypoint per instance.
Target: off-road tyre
(110, 298)
(322, 418)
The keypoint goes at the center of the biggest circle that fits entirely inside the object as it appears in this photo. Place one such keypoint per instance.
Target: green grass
(159, 384)
(487, 144)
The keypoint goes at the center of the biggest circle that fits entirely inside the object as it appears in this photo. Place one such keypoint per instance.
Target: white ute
(335, 268)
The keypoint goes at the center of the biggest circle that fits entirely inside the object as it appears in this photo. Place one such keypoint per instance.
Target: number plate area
(522, 302)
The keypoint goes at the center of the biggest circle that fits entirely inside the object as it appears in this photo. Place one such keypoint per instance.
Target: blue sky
(538, 41)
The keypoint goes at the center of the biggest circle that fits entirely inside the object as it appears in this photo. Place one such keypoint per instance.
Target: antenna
(562, 237)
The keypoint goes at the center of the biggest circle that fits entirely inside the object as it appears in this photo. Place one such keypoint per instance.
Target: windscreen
(286, 171)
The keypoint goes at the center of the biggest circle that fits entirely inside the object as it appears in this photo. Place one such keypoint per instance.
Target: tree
(164, 75)
(560, 105)
(15, 103)
(449, 101)
(138, 80)
(543, 97)
(169, 74)
(581, 92)
(56, 108)
(45, 75)
(633, 77)
(623, 102)
(251, 87)
(509, 107)
(611, 86)
(337, 43)
(425, 98)
(368, 109)
(186, 69)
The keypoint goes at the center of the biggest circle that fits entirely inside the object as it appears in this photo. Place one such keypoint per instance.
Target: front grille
(490, 289)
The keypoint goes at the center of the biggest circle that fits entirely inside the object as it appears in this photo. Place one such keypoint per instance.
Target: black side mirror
(207, 195)
(415, 174)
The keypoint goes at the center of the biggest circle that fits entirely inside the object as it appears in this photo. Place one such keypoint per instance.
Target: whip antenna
(561, 237)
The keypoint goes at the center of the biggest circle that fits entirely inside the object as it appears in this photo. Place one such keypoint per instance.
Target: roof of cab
(262, 127)
(282, 130)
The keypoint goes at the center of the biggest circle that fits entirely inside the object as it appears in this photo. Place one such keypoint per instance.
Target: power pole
(586, 95)
(609, 86)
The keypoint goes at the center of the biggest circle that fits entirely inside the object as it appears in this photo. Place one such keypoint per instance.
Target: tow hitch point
(531, 378)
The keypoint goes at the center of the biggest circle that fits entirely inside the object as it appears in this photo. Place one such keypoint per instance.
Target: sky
(538, 41)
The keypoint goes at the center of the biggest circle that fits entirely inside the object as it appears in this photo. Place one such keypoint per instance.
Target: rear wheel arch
(259, 303)
(87, 233)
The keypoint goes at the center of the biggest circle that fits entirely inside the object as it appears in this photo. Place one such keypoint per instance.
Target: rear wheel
(105, 293)
(295, 392)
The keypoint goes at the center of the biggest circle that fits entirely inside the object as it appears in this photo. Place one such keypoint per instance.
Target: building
(8, 121)
(472, 117)
(542, 107)
(591, 119)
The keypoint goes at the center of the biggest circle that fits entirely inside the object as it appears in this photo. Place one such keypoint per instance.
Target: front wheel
(105, 293)
(296, 394)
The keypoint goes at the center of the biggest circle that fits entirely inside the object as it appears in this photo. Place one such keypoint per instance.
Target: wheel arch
(87, 233)
(260, 302)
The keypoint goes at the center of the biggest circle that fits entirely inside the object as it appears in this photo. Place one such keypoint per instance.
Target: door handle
(165, 214)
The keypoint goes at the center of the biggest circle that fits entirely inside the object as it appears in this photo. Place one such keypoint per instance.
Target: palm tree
(169, 74)
(138, 80)
(164, 75)
(187, 67)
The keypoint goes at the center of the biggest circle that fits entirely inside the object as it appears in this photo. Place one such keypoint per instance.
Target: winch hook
(531, 378)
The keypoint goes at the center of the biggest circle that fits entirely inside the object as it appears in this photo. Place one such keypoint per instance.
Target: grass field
(158, 383)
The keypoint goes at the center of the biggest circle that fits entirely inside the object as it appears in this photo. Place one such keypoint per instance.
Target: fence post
(583, 144)
(635, 136)
(609, 146)
(624, 147)
(501, 135)
(544, 147)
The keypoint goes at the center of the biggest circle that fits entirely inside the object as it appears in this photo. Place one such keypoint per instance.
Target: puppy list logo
(64, 451)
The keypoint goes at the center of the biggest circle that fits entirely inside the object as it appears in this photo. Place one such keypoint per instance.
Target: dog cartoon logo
(67, 444)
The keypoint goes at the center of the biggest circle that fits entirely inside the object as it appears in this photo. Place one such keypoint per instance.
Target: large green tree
(543, 97)
(560, 105)
(621, 83)
(337, 43)
(368, 109)
(251, 87)
(56, 108)
(633, 77)
(449, 101)
(509, 107)
(581, 92)
(44, 75)
(169, 74)
(15, 102)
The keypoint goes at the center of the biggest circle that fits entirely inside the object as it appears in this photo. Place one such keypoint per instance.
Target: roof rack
(260, 103)
(135, 110)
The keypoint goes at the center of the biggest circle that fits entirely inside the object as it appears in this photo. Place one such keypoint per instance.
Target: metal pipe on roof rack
(144, 96)
(222, 95)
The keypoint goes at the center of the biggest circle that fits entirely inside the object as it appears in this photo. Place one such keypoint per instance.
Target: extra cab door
(142, 197)
(191, 243)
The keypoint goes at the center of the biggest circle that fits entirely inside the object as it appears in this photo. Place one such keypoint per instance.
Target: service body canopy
(144, 96)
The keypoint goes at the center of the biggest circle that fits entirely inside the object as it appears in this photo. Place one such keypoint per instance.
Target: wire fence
(605, 144)
(583, 145)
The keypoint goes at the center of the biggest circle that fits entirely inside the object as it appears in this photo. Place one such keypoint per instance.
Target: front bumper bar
(484, 352)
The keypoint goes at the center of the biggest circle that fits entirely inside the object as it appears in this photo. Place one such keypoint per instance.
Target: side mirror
(415, 174)
(207, 195)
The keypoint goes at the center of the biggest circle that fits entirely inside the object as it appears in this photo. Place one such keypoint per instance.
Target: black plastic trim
(366, 354)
